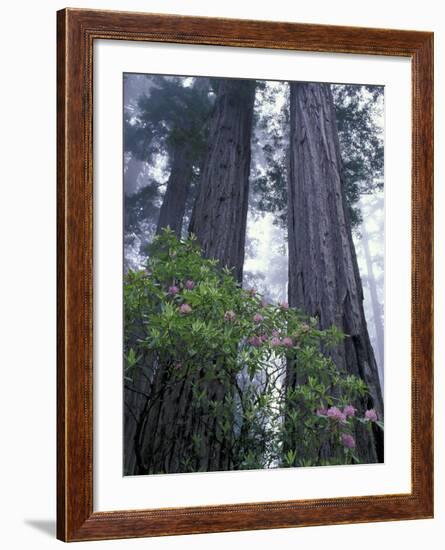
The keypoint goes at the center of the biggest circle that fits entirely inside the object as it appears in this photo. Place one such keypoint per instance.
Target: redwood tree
(220, 211)
(168, 427)
(324, 280)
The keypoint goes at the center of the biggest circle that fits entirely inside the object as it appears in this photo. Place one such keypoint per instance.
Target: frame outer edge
(74, 293)
(75, 517)
(423, 267)
(61, 266)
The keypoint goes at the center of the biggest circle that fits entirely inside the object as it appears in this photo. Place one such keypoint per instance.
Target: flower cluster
(274, 342)
(175, 289)
(336, 414)
(255, 341)
(185, 309)
(342, 417)
(348, 440)
(287, 342)
(371, 415)
(349, 411)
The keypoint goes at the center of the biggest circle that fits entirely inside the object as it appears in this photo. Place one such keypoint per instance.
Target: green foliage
(192, 321)
(172, 114)
(357, 110)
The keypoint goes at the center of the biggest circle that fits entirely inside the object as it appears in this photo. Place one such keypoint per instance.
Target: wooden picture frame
(76, 32)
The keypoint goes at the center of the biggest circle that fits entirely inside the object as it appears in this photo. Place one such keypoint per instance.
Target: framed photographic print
(245, 228)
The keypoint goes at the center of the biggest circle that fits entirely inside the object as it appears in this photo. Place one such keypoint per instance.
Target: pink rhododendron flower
(185, 308)
(275, 333)
(321, 412)
(371, 415)
(263, 337)
(189, 285)
(287, 342)
(336, 414)
(178, 365)
(258, 318)
(173, 290)
(255, 341)
(349, 410)
(275, 341)
(283, 305)
(348, 441)
(229, 315)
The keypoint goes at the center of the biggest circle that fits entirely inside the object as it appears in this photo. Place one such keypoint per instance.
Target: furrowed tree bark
(174, 424)
(324, 280)
(220, 211)
(136, 396)
(173, 206)
(137, 389)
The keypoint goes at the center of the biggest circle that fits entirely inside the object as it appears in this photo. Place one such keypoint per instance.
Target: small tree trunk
(178, 185)
(324, 280)
(374, 303)
(133, 169)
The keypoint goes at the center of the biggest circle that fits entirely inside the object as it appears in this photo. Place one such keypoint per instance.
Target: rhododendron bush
(189, 324)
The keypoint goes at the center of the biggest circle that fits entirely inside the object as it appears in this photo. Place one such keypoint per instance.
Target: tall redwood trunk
(324, 280)
(220, 211)
(178, 185)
